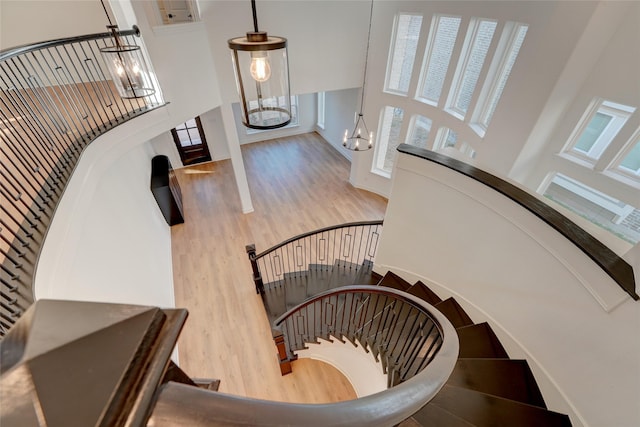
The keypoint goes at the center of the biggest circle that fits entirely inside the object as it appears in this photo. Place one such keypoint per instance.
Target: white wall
(322, 36)
(306, 122)
(108, 240)
(213, 128)
(546, 300)
(339, 109)
(23, 22)
(554, 28)
(612, 75)
(356, 364)
(84, 255)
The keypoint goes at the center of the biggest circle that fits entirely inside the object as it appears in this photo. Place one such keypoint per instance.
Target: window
(442, 38)
(320, 120)
(474, 52)
(598, 127)
(445, 138)
(631, 162)
(190, 142)
(419, 134)
(281, 103)
(403, 53)
(499, 72)
(626, 165)
(611, 214)
(468, 150)
(388, 139)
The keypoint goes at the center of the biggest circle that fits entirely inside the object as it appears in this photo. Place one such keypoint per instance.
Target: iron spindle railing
(55, 98)
(351, 246)
(399, 330)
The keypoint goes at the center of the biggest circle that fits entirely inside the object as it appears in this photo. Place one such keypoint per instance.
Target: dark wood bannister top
(610, 262)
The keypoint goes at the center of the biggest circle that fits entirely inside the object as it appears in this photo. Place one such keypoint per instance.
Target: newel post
(257, 278)
(283, 359)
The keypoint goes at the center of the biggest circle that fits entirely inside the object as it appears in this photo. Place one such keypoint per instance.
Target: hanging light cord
(106, 13)
(255, 16)
(366, 58)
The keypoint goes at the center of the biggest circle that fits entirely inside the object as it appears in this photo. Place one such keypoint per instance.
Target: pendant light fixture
(360, 138)
(261, 68)
(127, 65)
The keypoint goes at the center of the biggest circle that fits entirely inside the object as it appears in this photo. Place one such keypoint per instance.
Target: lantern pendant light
(261, 68)
(360, 138)
(126, 64)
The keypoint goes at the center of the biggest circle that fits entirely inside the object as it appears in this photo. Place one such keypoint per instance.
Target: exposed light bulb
(260, 68)
(119, 68)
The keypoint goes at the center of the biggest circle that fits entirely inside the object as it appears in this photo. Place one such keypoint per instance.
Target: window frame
(442, 136)
(320, 116)
(616, 171)
(392, 51)
(382, 147)
(413, 125)
(620, 115)
(428, 55)
(455, 89)
(618, 208)
(497, 76)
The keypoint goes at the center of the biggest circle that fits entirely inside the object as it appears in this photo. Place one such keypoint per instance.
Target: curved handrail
(384, 408)
(616, 267)
(56, 97)
(18, 50)
(401, 328)
(318, 231)
(352, 246)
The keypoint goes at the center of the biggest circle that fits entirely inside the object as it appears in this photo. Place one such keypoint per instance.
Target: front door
(191, 143)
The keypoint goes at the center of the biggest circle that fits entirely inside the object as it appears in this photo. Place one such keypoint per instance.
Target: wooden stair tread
(484, 410)
(486, 388)
(274, 302)
(295, 288)
(423, 292)
(318, 279)
(479, 341)
(435, 416)
(375, 278)
(343, 273)
(507, 378)
(365, 275)
(392, 280)
(454, 312)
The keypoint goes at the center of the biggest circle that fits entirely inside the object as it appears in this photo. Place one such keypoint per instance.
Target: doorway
(191, 143)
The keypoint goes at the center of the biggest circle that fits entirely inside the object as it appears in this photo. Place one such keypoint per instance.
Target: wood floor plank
(297, 184)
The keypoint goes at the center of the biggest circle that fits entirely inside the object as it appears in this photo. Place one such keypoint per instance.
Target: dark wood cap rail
(610, 262)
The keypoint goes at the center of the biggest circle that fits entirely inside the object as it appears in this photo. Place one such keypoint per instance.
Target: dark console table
(165, 189)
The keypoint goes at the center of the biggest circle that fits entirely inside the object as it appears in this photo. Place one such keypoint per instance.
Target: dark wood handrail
(385, 328)
(382, 290)
(18, 50)
(616, 267)
(56, 98)
(385, 408)
(318, 231)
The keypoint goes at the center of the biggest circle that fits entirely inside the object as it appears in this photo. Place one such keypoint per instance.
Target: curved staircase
(486, 388)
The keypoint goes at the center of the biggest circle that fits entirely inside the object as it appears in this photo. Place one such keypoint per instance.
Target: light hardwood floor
(297, 184)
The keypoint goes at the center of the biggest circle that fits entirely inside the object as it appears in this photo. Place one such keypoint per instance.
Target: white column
(229, 124)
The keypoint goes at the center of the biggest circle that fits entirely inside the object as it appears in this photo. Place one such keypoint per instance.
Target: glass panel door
(191, 143)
